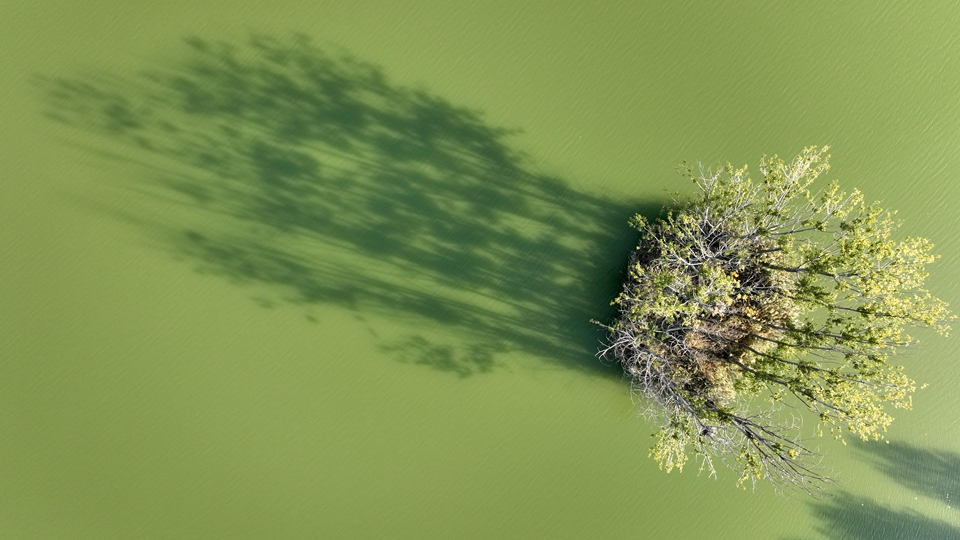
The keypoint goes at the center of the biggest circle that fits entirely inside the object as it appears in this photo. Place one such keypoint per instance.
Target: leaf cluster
(758, 294)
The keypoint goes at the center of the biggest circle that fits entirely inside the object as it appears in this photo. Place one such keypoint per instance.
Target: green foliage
(760, 293)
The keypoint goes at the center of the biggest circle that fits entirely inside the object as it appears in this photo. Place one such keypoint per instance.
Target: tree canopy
(756, 296)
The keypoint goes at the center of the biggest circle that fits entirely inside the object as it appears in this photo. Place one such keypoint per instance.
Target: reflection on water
(313, 174)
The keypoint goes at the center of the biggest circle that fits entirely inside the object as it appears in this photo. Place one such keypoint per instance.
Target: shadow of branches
(849, 517)
(932, 473)
(310, 172)
(929, 472)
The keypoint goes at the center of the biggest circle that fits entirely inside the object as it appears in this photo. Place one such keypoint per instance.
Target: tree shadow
(932, 473)
(307, 171)
(849, 517)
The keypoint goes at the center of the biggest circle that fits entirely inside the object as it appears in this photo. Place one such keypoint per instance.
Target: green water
(341, 287)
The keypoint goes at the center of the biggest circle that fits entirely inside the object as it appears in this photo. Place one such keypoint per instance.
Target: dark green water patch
(307, 171)
(929, 472)
(850, 517)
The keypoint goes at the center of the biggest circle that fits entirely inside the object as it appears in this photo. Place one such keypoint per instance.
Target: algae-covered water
(327, 269)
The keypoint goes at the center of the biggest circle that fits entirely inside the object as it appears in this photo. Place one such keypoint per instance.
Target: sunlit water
(336, 281)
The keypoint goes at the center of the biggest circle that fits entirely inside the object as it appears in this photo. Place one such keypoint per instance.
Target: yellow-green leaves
(669, 451)
(767, 289)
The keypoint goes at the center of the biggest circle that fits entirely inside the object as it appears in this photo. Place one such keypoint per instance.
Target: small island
(757, 299)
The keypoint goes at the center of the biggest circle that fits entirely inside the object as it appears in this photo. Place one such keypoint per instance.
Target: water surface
(339, 285)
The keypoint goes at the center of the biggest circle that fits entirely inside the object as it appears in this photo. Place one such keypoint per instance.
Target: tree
(755, 297)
